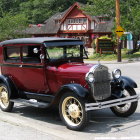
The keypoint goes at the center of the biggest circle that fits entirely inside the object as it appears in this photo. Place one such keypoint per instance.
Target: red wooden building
(73, 23)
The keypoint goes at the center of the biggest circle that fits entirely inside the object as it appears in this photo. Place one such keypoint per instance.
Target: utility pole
(119, 58)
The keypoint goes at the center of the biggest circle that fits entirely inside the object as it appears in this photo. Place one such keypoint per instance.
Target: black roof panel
(35, 40)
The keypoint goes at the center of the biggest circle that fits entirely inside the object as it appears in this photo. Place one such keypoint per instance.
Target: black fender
(127, 82)
(75, 88)
(12, 90)
(120, 84)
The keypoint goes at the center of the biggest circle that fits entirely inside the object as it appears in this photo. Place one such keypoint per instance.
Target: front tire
(5, 104)
(126, 109)
(72, 111)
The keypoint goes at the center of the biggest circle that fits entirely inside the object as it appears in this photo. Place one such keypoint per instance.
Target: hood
(74, 68)
(68, 73)
(72, 73)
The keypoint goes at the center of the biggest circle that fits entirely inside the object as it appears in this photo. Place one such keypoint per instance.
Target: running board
(31, 102)
(111, 103)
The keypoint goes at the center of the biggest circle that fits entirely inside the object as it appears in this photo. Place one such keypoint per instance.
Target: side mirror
(35, 50)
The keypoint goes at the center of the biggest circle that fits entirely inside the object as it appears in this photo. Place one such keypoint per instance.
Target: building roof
(53, 27)
(58, 16)
(35, 40)
(104, 27)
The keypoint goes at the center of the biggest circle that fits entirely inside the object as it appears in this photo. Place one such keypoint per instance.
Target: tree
(130, 12)
(130, 16)
(101, 7)
(12, 6)
(11, 26)
(38, 11)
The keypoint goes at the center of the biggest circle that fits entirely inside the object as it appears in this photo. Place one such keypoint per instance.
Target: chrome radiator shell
(100, 88)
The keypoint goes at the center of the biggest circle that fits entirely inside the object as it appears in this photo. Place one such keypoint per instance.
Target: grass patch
(111, 57)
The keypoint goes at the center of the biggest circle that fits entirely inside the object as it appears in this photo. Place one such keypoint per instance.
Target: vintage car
(45, 72)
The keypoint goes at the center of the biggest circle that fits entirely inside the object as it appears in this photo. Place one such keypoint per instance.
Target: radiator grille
(101, 86)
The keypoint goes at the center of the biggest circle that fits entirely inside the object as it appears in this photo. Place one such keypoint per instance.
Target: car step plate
(31, 102)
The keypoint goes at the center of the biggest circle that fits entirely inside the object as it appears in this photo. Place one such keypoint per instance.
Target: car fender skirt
(76, 88)
(128, 82)
(12, 90)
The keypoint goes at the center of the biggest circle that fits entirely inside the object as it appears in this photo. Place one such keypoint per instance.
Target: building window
(57, 22)
(104, 19)
(77, 21)
(68, 21)
(71, 21)
(80, 20)
(85, 20)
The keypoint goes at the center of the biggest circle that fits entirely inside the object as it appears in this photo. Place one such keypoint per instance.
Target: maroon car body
(50, 71)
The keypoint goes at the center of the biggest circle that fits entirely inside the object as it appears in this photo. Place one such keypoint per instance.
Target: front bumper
(111, 103)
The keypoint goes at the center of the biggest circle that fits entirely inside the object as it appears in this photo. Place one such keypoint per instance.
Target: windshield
(65, 50)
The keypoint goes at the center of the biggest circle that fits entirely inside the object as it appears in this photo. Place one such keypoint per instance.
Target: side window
(28, 55)
(12, 54)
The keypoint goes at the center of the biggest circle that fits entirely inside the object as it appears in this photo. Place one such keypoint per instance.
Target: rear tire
(126, 109)
(5, 104)
(72, 111)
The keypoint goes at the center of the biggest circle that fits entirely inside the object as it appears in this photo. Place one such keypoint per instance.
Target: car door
(11, 64)
(33, 73)
(25, 68)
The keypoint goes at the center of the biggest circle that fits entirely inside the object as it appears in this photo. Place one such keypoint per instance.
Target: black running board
(31, 102)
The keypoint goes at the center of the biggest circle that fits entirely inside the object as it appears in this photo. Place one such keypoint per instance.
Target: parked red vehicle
(50, 71)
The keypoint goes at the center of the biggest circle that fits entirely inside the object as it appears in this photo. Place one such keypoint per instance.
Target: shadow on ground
(102, 121)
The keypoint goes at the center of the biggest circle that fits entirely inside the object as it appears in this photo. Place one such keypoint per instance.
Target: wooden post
(119, 58)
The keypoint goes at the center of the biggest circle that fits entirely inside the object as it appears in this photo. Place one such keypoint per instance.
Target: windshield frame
(82, 55)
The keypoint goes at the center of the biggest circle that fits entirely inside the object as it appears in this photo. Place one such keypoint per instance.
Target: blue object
(129, 37)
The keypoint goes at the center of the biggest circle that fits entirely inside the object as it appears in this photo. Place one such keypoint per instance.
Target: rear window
(12, 54)
(28, 55)
(25, 54)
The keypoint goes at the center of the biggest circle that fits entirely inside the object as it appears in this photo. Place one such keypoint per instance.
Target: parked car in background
(51, 71)
(138, 43)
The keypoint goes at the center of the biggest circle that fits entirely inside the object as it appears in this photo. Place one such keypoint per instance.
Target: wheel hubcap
(4, 101)
(72, 111)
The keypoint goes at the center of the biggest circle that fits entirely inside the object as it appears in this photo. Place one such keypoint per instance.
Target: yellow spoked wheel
(72, 111)
(5, 103)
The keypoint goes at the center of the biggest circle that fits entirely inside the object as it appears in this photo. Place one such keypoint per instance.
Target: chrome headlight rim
(116, 73)
(90, 77)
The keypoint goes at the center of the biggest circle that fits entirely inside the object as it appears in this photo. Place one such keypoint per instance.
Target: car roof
(35, 40)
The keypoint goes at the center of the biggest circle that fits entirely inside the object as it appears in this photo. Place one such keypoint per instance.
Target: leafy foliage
(38, 11)
(130, 12)
(11, 25)
(101, 7)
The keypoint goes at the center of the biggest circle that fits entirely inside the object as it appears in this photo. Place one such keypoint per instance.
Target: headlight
(90, 77)
(116, 73)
